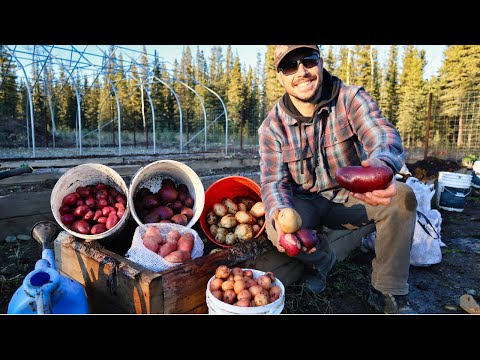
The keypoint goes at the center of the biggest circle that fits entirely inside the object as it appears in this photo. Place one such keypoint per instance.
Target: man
(318, 126)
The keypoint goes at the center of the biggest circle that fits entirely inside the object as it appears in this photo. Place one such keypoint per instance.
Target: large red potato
(360, 179)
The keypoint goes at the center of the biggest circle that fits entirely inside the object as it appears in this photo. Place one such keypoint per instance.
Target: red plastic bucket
(230, 186)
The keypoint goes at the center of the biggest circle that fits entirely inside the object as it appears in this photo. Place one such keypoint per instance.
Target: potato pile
(238, 220)
(92, 209)
(175, 248)
(237, 287)
(172, 203)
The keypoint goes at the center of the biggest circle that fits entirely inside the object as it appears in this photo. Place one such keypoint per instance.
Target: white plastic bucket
(151, 176)
(218, 307)
(476, 175)
(453, 188)
(83, 175)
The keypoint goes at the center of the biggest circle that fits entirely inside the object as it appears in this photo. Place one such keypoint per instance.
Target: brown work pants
(394, 225)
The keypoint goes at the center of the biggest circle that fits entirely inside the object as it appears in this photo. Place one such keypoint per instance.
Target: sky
(248, 53)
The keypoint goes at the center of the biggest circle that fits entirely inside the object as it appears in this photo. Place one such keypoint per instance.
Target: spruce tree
(390, 104)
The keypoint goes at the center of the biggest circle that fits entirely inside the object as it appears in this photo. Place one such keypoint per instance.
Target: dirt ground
(433, 290)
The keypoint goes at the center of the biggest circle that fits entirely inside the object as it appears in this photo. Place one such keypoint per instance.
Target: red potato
(167, 194)
(187, 212)
(121, 199)
(120, 209)
(167, 249)
(150, 202)
(81, 227)
(80, 210)
(188, 202)
(164, 211)
(70, 199)
(64, 209)
(90, 202)
(217, 294)
(177, 206)
(98, 229)
(110, 200)
(67, 219)
(185, 243)
(179, 219)
(107, 210)
(151, 218)
(307, 237)
(112, 220)
(243, 303)
(154, 233)
(102, 220)
(178, 256)
(99, 186)
(291, 244)
(151, 244)
(244, 294)
(88, 215)
(274, 293)
(173, 236)
(101, 194)
(264, 281)
(98, 215)
(360, 179)
(216, 284)
(101, 203)
(83, 191)
(229, 297)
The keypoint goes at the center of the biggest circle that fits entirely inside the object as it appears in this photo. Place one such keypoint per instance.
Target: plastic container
(218, 307)
(151, 176)
(230, 186)
(476, 175)
(45, 291)
(83, 175)
(452, 190)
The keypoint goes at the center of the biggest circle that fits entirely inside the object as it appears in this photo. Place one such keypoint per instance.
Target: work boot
(316, 280)
(388, 303)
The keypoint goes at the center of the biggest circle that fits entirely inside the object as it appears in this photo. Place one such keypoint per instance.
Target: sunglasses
(291, 67)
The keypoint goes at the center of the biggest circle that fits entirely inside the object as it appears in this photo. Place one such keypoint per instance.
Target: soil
(433, 290)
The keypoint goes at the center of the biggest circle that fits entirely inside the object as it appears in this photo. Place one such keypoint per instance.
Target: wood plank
(184, 285)
(113, 284)
(25, 204)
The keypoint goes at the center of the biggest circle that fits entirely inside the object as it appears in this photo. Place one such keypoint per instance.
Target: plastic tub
(83, 175)
(218, 307)
(151, 176)
(230, 186)
(453, 188)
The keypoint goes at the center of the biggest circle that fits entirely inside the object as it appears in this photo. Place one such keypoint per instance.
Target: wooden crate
(115, 284)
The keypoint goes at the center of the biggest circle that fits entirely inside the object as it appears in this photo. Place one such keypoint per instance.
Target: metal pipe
(204, 112)
(29, 98)
(179, 108)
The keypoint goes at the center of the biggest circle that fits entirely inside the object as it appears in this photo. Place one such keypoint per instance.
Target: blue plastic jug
(44, 290)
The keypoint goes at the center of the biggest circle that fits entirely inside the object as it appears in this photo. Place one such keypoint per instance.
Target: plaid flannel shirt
(348, 129)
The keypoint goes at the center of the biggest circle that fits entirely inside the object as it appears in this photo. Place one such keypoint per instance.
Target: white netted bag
(139, 254)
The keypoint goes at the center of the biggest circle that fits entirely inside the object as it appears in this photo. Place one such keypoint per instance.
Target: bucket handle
(457, 194)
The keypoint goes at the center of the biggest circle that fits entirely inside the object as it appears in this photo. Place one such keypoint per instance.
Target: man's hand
(377, 197)
(281, 233)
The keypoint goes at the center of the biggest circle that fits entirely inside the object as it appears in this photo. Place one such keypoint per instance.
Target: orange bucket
(230, 186)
